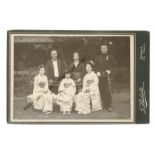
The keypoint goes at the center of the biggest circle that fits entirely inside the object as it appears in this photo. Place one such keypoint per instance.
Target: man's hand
(98, 74)
(108, 71)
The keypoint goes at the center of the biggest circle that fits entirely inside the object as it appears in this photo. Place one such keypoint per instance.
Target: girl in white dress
(42, 97)
(67, 90)
(90, 93)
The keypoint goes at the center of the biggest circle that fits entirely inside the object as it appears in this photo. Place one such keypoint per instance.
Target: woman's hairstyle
(91, 63)
(67, 71)
(41, 66)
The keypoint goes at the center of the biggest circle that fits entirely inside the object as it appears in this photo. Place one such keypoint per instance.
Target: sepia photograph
(71, 77)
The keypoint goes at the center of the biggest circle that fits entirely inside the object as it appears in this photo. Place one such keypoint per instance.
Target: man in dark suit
(54, 69)
(103, 66)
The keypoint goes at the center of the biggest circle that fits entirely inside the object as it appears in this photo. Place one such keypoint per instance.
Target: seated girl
(42, 97)
(90, 93)
(66, 92)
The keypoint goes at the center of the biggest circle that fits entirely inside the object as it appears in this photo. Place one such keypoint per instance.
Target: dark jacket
(103, 62)
(77, 72)
(50, 69)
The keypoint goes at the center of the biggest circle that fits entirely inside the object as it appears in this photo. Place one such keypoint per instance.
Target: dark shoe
(109, 109)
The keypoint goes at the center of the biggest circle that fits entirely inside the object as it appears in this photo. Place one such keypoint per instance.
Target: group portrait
(72, 77)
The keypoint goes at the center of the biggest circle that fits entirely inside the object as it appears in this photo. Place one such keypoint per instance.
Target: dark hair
(104, 43)
(41, 66)
(67, 71)
(91, 64)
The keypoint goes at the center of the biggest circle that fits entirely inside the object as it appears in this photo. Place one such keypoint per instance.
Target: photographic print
(78, 76)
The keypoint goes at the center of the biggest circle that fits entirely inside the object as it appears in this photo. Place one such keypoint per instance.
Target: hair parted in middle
(41, 66)
(91, 63)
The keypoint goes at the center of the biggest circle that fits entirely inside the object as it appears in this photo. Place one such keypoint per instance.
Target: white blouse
(55, 66)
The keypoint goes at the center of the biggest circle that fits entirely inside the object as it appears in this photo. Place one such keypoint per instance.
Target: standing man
(54, 69)
(103, 68)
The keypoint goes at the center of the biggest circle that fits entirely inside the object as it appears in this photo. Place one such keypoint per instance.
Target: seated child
(66, 92)
(42, 97)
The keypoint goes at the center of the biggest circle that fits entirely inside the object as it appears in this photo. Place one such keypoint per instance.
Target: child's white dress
(67, 90)
(90, 94)
(42, 97)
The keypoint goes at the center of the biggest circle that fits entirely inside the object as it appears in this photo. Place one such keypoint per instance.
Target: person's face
(104, 49)
(54, 54)
(67, 75)
(76, 56)
(88, 68)
(42, 71)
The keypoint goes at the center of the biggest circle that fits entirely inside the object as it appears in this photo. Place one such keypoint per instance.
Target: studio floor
(120, 110)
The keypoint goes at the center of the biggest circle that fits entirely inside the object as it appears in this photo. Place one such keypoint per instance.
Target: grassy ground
(120, 106)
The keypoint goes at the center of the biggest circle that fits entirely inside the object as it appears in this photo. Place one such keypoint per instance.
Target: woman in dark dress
(77, 69)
